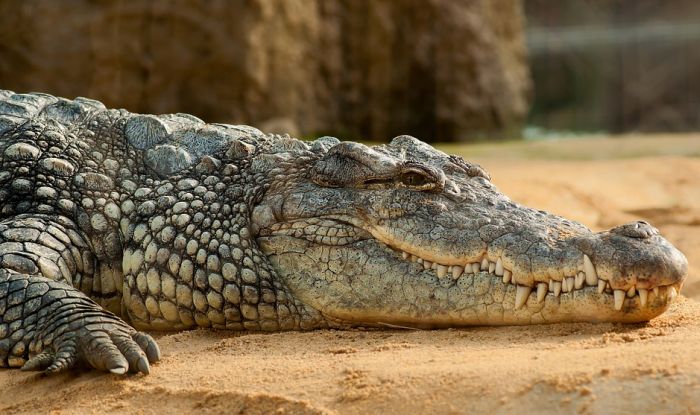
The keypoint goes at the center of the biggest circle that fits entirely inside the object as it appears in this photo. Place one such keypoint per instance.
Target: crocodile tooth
(589, 269)
(541, 291)
(579, 280)
(419, 260)
(475, 267)
(570, 281)
(522, 292)
(499, 267)
(601, 286)
(427, 264)
(506, 276)
(404, 254)
(457, 272)
(631, 292)
(656, 291)
(591, 280)
(619, 299)
(671, 293)
(557, 288)
(643, 294)
(565, 285)
(492, 267)
(484, 264)
(434, 265)
(441, 271)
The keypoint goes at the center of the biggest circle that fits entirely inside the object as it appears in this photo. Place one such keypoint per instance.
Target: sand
(561, 368)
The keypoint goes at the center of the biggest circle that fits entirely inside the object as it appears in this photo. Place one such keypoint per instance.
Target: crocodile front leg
(46, 323)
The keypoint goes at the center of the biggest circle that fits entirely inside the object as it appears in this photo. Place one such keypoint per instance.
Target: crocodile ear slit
(379, 181)
(353, 165)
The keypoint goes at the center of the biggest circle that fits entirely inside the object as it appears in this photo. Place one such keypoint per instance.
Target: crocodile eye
(421, 177)
(414, 179)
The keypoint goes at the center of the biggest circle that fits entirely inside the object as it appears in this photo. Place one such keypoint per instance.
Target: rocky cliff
(437, 69)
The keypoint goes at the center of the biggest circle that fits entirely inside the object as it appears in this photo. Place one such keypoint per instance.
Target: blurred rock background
(441, 70)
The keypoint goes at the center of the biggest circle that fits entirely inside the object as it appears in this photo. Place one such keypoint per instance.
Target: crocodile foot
(100, 341)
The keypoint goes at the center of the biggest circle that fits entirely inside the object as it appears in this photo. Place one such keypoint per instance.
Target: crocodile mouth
(584, 283)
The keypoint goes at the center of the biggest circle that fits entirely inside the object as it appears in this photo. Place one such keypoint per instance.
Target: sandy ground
(562, 368)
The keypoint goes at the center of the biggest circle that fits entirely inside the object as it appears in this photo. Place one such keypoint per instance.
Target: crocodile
(113, 224)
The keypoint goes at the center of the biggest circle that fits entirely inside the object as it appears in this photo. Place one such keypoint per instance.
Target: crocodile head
(405, 234)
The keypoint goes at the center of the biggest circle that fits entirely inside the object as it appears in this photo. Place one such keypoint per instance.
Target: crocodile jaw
(366, 271)
(369, 282)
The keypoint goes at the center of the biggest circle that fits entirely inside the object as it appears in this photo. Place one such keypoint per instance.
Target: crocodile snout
(636, 256)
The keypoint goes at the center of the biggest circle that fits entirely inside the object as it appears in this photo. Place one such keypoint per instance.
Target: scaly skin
(168, 223)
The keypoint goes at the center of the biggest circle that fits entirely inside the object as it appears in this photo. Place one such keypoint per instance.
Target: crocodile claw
(106, 348)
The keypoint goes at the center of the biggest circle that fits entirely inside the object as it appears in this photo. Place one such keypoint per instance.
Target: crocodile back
(48, 147)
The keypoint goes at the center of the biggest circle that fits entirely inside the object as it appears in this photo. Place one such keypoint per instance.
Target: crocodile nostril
(639, 229)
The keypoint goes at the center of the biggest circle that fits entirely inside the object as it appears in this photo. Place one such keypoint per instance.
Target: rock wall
(437, 69)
